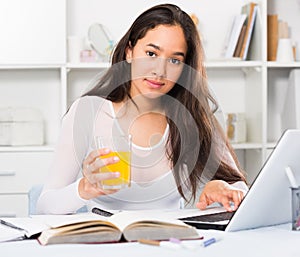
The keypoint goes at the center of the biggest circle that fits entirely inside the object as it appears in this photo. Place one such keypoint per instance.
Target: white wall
(118, 15)
(32, 32)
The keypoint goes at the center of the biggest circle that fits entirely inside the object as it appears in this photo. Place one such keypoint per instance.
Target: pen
(101, 212)
(8, 224)
(166, 244)
(210, 241)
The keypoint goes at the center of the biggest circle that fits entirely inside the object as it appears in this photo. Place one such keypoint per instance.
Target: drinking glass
(119, 146)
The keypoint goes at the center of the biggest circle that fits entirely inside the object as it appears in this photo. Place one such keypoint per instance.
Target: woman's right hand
(90, 184)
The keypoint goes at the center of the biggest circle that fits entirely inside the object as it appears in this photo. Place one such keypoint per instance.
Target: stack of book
(241, 32)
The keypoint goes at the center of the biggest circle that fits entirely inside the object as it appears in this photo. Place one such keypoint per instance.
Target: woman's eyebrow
(158, 48)
(154, 46)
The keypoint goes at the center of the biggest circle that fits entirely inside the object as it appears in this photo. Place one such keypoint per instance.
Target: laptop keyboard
(210, 217)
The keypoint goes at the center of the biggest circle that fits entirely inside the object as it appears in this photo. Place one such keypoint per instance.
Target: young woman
(156, 91)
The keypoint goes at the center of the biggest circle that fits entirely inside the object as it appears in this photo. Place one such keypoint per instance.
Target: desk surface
(269, 241)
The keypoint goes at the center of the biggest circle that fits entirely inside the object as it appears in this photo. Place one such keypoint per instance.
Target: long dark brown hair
(201, 151)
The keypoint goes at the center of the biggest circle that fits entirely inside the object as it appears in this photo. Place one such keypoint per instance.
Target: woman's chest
(148, 152)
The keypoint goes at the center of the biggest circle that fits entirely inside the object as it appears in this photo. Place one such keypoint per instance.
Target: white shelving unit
(51, 84)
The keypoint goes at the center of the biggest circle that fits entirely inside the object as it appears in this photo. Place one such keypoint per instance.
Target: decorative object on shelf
(100, 40)
(285, 50)
(88, 56)
(21, 126)
(195, 19)
(236, 127)
(294, 46)
(285, 47)
(75, 45)
(283, 29)
(297, 51)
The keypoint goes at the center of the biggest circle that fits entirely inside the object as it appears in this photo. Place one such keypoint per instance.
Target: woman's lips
(154, 83)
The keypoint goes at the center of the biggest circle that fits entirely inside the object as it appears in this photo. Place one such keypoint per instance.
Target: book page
(9, 234)
(125, 218)
(59, 220)
(28, 225)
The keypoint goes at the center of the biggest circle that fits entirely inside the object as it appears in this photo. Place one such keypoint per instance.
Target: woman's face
(157, 61)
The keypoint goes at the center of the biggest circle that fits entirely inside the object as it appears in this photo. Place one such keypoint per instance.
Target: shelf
(46, 148)
(233, 64)
(283, 65)
(247, 146)
(86, 65)
(208, 64)
(271, 145)
(55, 66)
(29, 66)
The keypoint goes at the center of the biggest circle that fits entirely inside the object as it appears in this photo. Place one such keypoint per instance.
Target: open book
(123, 226)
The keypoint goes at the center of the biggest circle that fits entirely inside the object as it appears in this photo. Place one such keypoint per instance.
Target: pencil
(149, 242)
(166, 244)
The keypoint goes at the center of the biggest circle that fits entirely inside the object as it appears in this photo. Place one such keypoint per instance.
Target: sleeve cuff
(84, 201)
(240, 185)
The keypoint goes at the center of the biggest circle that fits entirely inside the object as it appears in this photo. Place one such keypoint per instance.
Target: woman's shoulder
(87, 110)
(94, 99)
(90, 101)
(87, 105)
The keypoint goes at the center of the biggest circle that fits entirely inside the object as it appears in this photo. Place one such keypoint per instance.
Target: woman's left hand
(221, 192)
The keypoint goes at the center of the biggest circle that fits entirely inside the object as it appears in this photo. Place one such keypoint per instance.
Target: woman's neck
(139, 105)
(144, 115)
(145, 105)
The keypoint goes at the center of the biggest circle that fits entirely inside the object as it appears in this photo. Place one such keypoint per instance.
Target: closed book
(240, 42)
(250, 10)
(235, 31)
(272, 27)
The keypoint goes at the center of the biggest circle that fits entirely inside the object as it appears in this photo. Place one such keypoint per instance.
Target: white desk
(277, 241)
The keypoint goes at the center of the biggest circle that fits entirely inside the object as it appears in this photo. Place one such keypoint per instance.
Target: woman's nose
(160, 67)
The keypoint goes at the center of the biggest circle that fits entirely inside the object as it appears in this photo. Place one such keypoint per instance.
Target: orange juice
(123, 166)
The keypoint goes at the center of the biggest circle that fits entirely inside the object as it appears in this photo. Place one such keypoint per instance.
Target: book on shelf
(240, 42)
(250, 10)
(234, 34)
(272, 36)
(123, 226)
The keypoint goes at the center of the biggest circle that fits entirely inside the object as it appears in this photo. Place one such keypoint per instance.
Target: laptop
(268, 201)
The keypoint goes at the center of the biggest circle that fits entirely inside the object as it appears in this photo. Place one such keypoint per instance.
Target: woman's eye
(174, 61)
(151, 54)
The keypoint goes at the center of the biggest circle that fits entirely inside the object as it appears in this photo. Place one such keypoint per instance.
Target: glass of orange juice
(119, 146)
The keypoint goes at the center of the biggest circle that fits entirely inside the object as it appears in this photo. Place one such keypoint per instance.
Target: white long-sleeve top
(152, 182)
